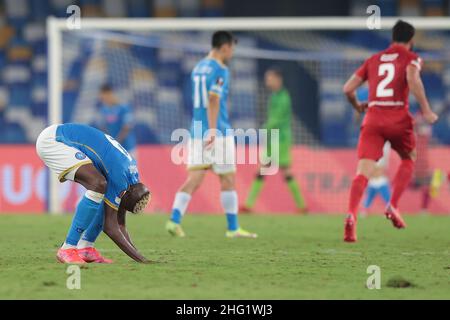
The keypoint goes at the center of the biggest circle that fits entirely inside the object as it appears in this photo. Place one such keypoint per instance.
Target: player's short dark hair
(106, 88)
(219, 38)
(402, 32)
(276, 70)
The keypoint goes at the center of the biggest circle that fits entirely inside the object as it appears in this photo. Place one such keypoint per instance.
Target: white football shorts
(221, 157)
(60, 158)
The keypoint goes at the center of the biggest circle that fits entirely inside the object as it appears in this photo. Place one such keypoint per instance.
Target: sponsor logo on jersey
(133, 169)
(388, 57)
(80, 155)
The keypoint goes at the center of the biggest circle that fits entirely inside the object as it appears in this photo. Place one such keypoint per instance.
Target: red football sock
(359, 184)
(425, 197)
(402, 180)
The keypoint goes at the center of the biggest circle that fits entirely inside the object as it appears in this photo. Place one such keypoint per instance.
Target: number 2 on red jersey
(388, 71)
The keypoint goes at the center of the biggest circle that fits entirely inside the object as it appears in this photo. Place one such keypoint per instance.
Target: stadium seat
(12, 133)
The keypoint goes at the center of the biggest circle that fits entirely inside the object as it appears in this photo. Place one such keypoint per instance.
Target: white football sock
(229, 200)
(84, 244)
(66, 246)
(181, 201)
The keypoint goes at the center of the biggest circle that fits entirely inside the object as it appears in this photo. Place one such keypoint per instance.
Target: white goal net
(148, 63)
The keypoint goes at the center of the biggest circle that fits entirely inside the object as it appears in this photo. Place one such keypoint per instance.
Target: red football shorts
(382, 124)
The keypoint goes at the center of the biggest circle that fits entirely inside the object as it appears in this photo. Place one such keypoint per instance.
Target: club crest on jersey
(80, 155)
(219, 82)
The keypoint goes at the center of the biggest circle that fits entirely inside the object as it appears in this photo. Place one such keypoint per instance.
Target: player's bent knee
(366, 167)
(227, 182)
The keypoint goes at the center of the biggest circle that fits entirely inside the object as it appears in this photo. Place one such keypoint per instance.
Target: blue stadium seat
(12, 133)
(138, 8)
(40, 9)
(388, 7)
(2, 58)
(40, 47)
(20, 95)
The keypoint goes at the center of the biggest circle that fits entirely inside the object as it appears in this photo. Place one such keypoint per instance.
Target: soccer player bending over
(98, 162)
(211, 144)
(390, 74)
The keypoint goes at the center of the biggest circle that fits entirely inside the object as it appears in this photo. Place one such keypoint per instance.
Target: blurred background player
(378, 182)
(390, 73)
(116, 119)
(279, 113)
(209, 137)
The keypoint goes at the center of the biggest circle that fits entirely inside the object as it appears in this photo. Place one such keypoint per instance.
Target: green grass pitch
(295, 257)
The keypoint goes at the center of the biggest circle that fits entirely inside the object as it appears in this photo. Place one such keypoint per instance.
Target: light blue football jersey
(209, 77)
(107, 155)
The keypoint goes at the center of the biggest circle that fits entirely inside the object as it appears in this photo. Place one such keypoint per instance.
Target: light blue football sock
(229, 200)
(84, 214)
(96, 226)
(176, 216)
(370, 196)
(180, 204)
(232, 221)
(385, 192)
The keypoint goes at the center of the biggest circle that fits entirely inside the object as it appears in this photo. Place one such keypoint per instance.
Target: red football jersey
(385, 72)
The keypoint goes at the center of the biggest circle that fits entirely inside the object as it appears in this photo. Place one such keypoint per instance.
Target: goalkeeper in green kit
(278, 117)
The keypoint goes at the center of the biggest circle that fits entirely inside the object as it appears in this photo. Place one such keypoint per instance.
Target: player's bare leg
(229, 200)
(89, 177)
(182, 199)
(193, 181)
(365, 169)
(401, 182)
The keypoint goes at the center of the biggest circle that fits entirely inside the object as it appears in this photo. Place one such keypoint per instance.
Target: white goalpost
(133, 31)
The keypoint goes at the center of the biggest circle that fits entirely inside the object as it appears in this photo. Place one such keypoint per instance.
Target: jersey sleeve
(112, 196)
(415, 60)
(362, 70)
(217, 82)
